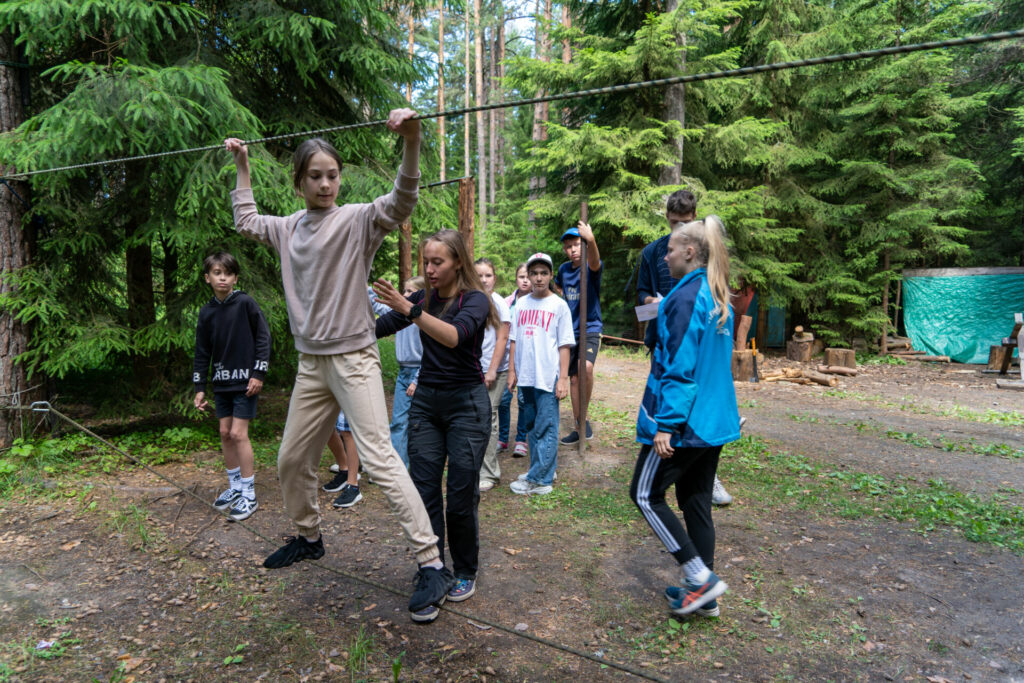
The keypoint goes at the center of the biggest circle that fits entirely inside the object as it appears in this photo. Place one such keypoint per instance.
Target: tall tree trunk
(440, 86)
(139, 280)
(540, 110)
(492, 117)
(481, 130)
(15, 251)
(499, 89)
(675, 110)
(405, 230)
(566, 52)
(465, 118)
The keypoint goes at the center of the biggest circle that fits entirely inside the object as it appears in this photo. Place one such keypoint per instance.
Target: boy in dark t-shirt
(233, 335)
(568, 280)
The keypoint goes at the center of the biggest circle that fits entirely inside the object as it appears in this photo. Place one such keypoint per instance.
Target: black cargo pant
(453, 425)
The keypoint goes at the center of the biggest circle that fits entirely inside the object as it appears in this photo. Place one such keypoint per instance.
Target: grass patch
(1008, 417)
(569, 503)
(618, 423)
(919, 440)
(132, 522)
(624, 351)
(794, 479)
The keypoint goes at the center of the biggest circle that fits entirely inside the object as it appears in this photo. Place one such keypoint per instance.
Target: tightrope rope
(625, 87)
(45, 407)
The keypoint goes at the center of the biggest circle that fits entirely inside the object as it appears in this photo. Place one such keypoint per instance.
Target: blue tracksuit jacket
(689, 392)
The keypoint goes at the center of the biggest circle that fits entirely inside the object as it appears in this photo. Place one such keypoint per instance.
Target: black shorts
(593, 344)
(235, 404)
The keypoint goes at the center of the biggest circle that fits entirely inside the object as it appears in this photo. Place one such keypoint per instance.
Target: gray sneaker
(719, 496)
(227, 499)
(243, 508)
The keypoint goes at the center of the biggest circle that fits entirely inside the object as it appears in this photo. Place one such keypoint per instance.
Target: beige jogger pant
(491, 469)
(351, 381)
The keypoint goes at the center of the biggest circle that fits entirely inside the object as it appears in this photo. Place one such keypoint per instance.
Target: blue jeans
(505, 416)
(400, 412)
(539, 415)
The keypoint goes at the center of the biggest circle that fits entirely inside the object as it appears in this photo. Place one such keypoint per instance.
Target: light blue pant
(400, 412)
(505, 416)
(540, 412)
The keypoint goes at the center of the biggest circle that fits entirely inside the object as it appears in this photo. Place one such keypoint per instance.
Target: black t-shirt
(442, 366)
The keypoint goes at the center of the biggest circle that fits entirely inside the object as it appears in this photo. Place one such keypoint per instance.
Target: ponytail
(708, 236)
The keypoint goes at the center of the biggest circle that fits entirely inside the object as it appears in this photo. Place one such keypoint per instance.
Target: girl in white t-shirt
(494, 363)
(542, 336)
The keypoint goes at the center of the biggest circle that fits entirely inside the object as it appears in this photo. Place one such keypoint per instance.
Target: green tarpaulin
(961, 312)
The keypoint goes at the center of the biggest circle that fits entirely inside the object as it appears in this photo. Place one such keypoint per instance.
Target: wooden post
(404, 254)
(466, 204)
(761, 334)
(581, 372)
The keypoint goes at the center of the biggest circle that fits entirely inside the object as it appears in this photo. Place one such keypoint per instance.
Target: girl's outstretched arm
(400, 121)
(240, 152)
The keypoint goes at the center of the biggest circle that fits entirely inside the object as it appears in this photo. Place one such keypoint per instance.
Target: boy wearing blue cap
(568, 279)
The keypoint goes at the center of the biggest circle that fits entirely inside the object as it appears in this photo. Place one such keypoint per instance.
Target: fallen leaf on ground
(71, 544)
(511, 551)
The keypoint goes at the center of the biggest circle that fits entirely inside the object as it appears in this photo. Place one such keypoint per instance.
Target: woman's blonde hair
(417, 283)
(708, 237)
(466, 278)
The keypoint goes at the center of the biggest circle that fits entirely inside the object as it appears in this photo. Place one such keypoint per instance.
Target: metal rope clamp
(40, 407)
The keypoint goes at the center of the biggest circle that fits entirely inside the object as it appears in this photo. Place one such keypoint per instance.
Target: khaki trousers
(351, 381)
(491, 469)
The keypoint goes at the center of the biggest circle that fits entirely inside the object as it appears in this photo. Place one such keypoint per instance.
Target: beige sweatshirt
(325, 263)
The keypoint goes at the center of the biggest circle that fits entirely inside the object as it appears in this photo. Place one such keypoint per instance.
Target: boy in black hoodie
(232, 334)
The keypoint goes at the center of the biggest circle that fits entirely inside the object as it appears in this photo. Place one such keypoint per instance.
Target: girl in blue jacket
(689, 410)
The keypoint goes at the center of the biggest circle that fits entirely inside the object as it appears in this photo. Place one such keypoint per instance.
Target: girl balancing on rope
(689, 410)
(326, 252)
(450, 415)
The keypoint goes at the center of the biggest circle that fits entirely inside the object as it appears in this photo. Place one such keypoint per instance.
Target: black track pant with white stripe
(692, 470)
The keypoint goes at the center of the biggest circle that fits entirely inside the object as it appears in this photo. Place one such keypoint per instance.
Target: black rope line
(607, 90)
(45, 407)
(15, 193)
(19, 65)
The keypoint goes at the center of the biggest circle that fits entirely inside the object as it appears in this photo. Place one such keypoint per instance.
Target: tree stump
(844, 358)
(799, 350)
(742, 366)
(997, 357)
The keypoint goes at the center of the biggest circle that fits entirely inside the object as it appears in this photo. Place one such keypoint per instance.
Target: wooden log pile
(800, 376)
(901, 348)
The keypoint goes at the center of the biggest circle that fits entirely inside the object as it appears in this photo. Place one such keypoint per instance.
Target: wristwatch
(414, 312)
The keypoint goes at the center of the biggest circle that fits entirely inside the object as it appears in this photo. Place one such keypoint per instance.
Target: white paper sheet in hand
(647, 311)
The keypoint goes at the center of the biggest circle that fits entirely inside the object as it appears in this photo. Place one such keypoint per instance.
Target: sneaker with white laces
(694, 596)
(243, 508)
(710, 609)
(525, 487)
(337, 483)
(348, 497)
(432, 586)
(462, 590)
(521, 450)
(227, 499)
(522, 477)
(719, 496)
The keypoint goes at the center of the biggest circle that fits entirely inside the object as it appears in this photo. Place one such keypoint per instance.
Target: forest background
(830, 179)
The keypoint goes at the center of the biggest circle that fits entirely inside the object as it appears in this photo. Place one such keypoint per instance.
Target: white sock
(696, 571)
(248, 486)
(235, 479)
(434, 564)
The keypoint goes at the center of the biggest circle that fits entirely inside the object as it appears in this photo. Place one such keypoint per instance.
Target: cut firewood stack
(800, 376)
(901, 347)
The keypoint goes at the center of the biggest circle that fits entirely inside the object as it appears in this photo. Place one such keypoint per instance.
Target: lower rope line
(45, 407)
(606, 90)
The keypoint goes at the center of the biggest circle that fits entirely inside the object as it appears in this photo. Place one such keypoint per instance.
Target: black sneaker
(590, 432)
(571, 438)
(337, 483)
(227, 499)
(295, 550)
(349, 496)
(243, 508)
(432, 586)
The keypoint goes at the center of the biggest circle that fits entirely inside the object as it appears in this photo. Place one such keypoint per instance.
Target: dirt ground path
(127, 581)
